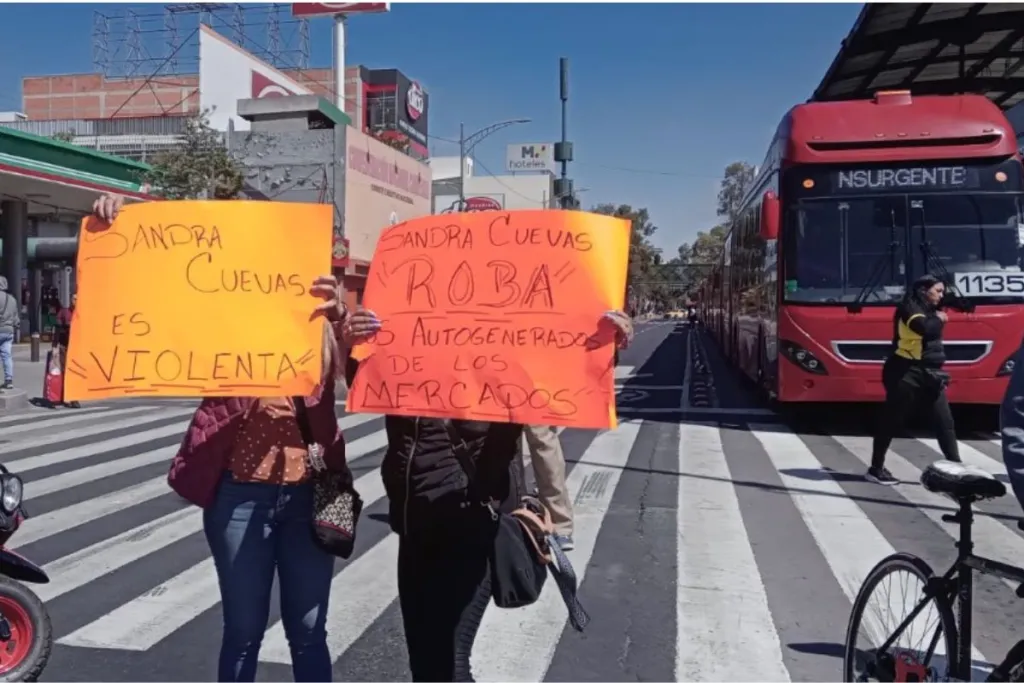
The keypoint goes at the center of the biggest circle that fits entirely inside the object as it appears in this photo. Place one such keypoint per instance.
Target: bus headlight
(10, 492)
(802, 358)
(1007, 367)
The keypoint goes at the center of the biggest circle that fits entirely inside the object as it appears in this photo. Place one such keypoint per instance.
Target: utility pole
(462, 166)
(563, 149)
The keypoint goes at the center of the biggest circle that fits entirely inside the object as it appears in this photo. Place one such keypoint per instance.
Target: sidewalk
(28, 376)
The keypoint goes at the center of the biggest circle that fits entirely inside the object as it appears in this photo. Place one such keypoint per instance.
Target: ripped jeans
(255, 529)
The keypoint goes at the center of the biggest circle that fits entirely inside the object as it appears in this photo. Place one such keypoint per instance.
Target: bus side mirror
(770, 216)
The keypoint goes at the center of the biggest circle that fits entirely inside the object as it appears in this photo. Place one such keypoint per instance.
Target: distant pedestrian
(10, 321)
(62, 338)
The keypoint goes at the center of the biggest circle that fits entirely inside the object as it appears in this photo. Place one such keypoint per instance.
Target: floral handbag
(336, 504)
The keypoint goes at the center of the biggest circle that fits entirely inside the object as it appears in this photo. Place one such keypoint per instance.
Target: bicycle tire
(895, 562)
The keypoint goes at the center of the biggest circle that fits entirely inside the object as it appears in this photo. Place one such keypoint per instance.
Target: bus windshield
(869, 248)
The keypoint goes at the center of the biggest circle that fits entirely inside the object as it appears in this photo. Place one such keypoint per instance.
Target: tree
(706, 249)
(646, 279)
(67, 136)
(199, 168)
(738, 178)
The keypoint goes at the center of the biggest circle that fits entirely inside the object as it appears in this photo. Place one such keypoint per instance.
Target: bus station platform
(931, 49)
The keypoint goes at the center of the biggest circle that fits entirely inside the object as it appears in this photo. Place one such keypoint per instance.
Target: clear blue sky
(675, 91)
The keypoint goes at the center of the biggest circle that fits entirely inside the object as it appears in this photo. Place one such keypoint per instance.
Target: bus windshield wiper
(953, 297)
(857, 305)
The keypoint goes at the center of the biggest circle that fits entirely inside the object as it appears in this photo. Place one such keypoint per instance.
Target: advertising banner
(530, 156)
(227, 73)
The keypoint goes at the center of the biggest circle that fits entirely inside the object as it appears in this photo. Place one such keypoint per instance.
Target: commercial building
(513, 191)
(294, 143)
(88, 108)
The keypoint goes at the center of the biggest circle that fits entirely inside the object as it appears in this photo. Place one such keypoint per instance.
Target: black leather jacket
(425, 483)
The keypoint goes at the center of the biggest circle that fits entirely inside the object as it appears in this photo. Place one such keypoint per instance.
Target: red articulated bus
(856, 200)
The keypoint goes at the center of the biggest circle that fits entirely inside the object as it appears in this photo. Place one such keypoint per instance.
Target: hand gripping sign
(199, 298)
(495, 316)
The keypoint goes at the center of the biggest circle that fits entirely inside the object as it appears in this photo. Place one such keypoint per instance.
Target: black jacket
(917, 335)
(425, 483)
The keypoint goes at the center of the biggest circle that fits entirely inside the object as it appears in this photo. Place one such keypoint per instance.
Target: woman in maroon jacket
(243, 460)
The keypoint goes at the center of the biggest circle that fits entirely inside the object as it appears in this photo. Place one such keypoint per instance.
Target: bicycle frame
(957, 587)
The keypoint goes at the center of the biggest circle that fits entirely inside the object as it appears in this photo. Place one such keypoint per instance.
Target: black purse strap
(460, 449)
(302, 417)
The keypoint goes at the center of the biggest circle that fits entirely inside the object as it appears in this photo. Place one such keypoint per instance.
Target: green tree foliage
(67, 136)
(645, 278)
(199, 168)
(707, 247)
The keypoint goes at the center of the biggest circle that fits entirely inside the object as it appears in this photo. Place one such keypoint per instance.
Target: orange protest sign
(199, 298)
(495, 316)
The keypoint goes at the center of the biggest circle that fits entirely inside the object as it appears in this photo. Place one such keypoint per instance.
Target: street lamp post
(466, 145)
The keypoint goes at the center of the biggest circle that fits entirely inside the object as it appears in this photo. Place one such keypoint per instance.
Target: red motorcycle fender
(19, 568)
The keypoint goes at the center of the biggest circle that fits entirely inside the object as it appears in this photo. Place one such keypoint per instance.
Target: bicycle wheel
(933, 628)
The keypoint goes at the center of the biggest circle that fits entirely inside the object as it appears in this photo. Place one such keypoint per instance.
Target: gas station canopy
(54, 177)
(931, 49)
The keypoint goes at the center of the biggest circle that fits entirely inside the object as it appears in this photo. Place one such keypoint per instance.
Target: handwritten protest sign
(495, 316)
(199, 299)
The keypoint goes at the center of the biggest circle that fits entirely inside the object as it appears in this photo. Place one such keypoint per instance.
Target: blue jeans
(6, 359)
(253, 529)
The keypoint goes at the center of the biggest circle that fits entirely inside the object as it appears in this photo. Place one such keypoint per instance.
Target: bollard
(34, 340)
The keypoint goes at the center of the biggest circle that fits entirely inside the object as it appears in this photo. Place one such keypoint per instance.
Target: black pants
(908, 388)
(444, 586)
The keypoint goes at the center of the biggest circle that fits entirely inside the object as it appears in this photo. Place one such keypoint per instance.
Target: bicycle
(966, 485)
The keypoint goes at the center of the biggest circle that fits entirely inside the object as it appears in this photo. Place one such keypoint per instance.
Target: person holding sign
(446, 540)
(245, 461)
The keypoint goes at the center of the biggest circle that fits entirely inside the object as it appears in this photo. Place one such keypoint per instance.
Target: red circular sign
(415, 101)
(482, 204)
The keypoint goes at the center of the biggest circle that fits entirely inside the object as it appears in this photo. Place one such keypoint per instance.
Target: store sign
(329, 9)
(339, 251)
(482, 204)
(415, 102)
(935, 177)
(534, 156)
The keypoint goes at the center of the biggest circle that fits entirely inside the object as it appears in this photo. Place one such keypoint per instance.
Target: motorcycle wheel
(24, 656)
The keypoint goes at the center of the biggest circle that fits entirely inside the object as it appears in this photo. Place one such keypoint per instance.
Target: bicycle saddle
(961, 481)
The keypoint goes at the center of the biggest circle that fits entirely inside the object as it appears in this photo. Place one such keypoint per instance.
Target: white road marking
(517, 645)
(725, 628)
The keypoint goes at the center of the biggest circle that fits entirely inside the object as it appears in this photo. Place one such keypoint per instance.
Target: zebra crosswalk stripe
(86, 468)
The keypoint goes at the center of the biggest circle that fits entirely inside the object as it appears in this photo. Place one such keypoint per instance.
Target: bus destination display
(922, 178)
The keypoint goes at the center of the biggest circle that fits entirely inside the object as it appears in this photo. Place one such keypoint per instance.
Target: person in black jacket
(446, 534)
(912, 374)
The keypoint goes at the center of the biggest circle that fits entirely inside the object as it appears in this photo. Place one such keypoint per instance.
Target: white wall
(512, 192)
(444, 168)
(227, 73)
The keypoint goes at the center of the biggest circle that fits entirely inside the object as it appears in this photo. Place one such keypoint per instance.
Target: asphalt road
(715, 540)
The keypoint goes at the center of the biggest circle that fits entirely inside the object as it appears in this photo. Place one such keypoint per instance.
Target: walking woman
(913, 376)
(445, 534)
(243, 460)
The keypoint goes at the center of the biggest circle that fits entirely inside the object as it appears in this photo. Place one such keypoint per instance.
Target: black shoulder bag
(336, 504)
(518, 558)
(524, 548)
